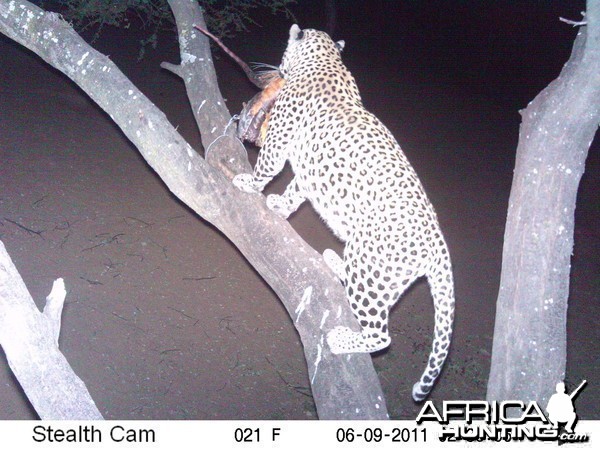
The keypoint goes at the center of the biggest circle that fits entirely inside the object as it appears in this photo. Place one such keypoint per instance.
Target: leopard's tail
(442, 290)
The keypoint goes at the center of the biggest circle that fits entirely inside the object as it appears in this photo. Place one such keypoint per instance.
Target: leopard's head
(309, 48)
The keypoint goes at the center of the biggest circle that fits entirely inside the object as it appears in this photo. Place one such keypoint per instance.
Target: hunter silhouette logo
(509, 420)
(560, 407)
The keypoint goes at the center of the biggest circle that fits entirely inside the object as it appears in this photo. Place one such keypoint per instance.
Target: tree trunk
(529, 349)
(343, 387)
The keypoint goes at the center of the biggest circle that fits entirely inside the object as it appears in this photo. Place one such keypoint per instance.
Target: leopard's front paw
(245, 182)
(341, 340)
(276, 204)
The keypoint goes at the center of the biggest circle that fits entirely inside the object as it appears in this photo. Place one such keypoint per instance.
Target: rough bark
(343, 387)
(529, 349)
(30, 341)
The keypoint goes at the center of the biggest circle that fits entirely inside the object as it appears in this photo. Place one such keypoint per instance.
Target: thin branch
(573, 22)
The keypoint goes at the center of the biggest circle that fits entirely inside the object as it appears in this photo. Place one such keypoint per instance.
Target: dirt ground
(165, 319)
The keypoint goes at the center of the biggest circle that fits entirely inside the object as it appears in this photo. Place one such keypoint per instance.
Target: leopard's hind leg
(372, 314)
(373, 284)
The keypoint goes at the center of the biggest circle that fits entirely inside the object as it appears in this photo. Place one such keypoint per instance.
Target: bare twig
(198, 278)
(184, 314)
(105, 241)
(92, 282)
(23, 227)
(574, 22)
(135, 219)
(38, 201)
(303, 390)
(225, 322)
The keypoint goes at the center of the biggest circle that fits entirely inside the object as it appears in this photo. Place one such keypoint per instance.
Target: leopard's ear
(296, 33)
(340, 45)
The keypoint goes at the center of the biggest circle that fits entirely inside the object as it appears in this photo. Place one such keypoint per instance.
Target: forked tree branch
(343, 387)
(30, 341)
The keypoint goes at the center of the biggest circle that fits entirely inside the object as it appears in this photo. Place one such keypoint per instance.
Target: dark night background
(447, 77)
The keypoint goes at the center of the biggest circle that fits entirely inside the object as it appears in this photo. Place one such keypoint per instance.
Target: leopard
(357, 178)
